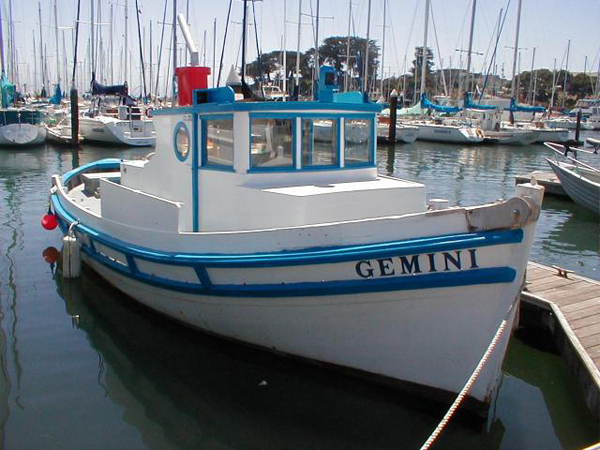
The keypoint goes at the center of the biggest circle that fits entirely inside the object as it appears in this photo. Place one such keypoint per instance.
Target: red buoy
(51, 255)
(49, 221)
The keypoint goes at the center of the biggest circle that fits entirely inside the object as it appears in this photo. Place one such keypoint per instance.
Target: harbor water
(85, 367)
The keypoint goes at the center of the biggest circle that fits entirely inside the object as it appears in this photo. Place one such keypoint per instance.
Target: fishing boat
(115, 118)
(303, 248)
(580, 181)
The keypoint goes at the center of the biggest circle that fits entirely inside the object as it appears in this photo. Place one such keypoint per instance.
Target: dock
(549, 180)
(569, 306)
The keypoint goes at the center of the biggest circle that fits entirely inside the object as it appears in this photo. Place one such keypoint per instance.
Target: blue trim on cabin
(311, 255)
(373, 108)
(195, 185)
(179, 126)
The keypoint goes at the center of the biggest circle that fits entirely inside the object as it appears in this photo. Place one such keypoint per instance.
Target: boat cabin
(244, 165)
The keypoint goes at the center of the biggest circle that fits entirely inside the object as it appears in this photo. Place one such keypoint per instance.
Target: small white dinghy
(293, 244)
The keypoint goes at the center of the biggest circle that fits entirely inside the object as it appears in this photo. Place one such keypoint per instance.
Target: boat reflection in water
(202, 391)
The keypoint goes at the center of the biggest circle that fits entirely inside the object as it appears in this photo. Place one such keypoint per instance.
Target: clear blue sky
(545, 24)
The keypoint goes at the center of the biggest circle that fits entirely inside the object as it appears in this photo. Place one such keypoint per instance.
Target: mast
(150, 66)
(11, 40)
(34, 62)
(383, 48)
(424, 50)
(93, 45)
(56, 35)
(2, 43)
(126, 43)
(566, 74)
(298, 48)
(316, 68)
(41, 47)
(468, 74)
(284, 50)
(214, 50)
(530, 94)
(174, 87)
(187, 20)
(348, 46)
(366, 61)
(110, 45)
(516, 51)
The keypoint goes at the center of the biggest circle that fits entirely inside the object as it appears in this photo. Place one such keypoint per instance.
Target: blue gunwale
(306, 256)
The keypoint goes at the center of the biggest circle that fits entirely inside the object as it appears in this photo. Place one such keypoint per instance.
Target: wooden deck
(574, 304)
(549, 180)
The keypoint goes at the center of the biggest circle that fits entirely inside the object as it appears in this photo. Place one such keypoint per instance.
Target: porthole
(182, 141)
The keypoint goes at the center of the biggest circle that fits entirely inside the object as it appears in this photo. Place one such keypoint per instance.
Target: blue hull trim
(314, 255)
(204, 286)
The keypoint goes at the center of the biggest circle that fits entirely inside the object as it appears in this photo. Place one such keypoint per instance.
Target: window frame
(338, 143)
(294, 166)
(204, 163)
(373, 147)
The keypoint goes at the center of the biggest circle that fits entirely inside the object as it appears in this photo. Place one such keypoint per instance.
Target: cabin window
(319, 142)
(181, 141)
(358, 140)
(218, 142)
(271, 143)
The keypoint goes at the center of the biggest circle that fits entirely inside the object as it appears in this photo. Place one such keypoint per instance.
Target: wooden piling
(74, 117)
(393, 115)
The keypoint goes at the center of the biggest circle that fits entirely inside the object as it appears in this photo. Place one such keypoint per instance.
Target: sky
(546, 25)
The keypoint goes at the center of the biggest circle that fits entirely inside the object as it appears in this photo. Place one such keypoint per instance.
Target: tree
(416, 71)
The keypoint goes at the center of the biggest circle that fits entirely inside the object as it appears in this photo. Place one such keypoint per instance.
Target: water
(83, 367)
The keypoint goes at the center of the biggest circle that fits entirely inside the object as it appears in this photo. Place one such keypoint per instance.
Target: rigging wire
(224, 42)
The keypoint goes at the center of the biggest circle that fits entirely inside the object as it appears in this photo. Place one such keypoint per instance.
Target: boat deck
(574, 303)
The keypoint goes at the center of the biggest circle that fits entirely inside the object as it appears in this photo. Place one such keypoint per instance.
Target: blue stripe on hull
(314, 255)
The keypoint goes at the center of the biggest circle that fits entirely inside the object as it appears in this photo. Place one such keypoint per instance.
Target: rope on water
(465, 390)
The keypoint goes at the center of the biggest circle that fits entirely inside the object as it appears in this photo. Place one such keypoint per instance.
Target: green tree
(416, 71)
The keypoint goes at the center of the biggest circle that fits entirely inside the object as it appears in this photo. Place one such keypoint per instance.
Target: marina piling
(393, 114)
(578, 127)
(74, 117)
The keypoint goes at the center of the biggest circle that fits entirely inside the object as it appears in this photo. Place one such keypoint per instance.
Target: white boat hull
(513, 137)
(118, 132)
(22, 134)
(448, 134)
(404, 133)
(421, 315)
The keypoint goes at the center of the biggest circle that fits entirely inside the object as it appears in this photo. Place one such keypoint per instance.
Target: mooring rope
(465, 390)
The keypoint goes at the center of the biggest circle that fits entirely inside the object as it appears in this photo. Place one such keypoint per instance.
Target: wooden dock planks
(575, 301)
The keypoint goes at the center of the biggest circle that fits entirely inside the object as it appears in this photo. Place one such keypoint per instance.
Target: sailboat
(116, 118)
(440, 129)
(18, 126)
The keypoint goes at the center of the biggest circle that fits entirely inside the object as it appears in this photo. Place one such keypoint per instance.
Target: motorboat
(449, 131)
(580, 181)
(298, 246)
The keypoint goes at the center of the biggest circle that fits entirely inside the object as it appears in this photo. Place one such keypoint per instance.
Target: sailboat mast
(348, 46)
(56, 36)
(41, 46)
(516, 52)
(468, 74)
(92, 45)
(531, 74)
(2, 43)
(316, 74)
(424, 52)
(110, 45)
(383, 47)
(126, 43)
(298, 47)
(366, 61)
(174, 87)
(214, 52)
(284, 50)
(566, 74)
